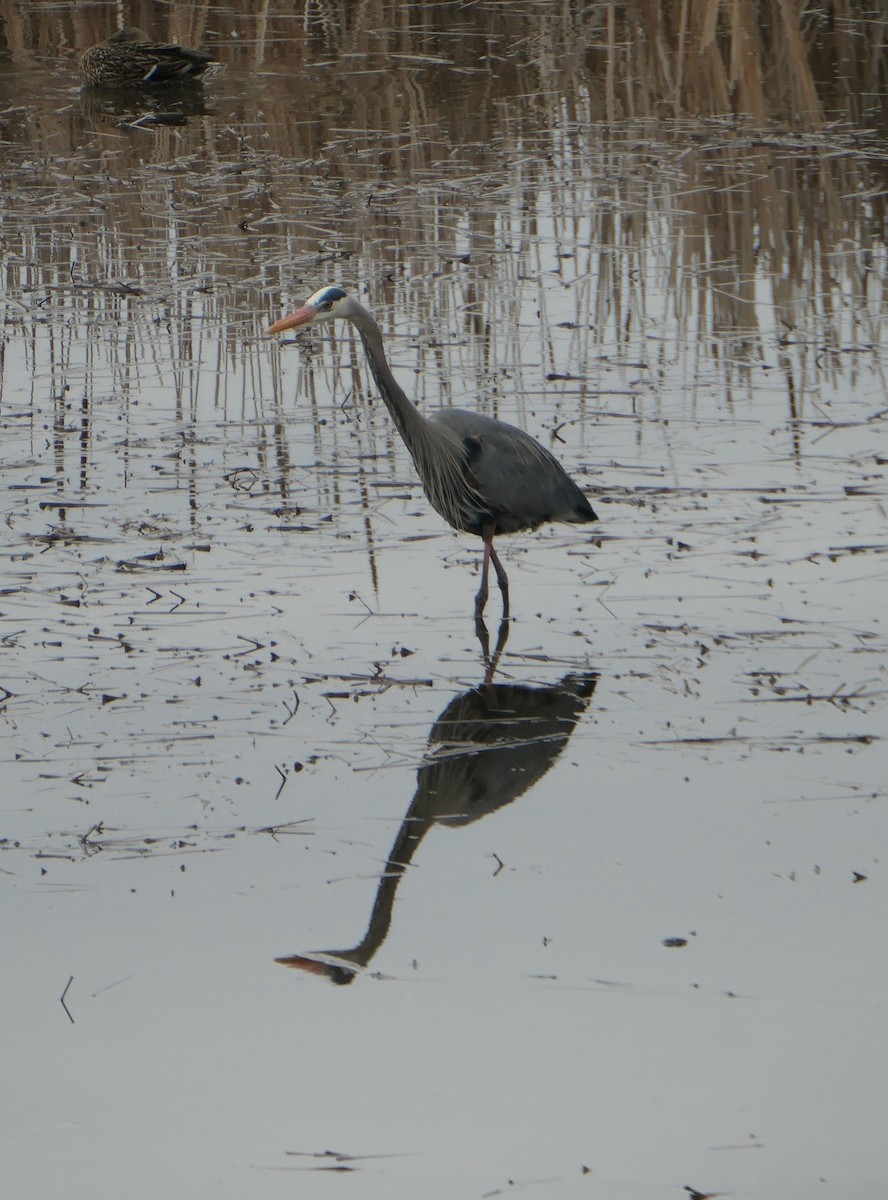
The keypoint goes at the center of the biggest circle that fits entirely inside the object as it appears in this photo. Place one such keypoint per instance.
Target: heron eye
(327, 305)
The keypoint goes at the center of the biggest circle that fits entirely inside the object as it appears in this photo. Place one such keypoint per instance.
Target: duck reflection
(133, 108)
(487, 748)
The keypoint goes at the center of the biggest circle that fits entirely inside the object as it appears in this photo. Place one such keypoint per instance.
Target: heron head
(326, 304)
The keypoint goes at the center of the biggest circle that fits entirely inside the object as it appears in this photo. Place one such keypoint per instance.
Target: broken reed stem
(62, 998)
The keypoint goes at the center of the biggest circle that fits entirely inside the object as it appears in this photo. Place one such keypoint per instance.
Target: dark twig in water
(149, 562)
(291, 712)
(254, 645)
(62, 998)
(88, 846)
(361, 600)
(287, 827)
(284, 777)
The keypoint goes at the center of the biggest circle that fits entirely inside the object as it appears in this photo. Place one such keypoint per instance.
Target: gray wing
(520, 481)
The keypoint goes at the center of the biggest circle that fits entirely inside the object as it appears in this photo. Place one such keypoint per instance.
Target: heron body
(130, 59)
(482, 475)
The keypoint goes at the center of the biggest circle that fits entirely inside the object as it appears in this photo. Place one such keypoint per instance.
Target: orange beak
(300, 317)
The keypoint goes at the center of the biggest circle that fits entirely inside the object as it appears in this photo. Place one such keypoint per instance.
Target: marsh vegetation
(242, 699)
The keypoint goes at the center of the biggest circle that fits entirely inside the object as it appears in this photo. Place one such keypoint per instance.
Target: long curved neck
(407, 417)
(438, 454)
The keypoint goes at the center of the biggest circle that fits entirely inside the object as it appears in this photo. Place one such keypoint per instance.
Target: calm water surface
(331, 887)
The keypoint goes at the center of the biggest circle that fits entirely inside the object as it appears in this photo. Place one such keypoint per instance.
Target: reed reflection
(535, 236)
(658, 58)
(489, 746)
(427, 157)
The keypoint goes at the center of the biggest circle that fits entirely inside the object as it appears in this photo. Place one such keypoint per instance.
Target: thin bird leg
(481, 598)
(502, 579)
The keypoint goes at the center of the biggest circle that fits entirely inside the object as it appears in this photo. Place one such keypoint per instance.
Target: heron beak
(300, 317)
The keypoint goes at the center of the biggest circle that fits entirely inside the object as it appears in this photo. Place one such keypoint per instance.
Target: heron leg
(501, 578)
(481, 598)
(491, 556)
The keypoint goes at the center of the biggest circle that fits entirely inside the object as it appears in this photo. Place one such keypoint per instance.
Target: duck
(130, 59)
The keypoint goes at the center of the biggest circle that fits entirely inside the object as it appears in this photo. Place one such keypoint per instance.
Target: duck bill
(300, 317)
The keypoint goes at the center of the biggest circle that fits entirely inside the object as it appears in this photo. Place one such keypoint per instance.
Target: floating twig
(62, 999)
(284, 776)
(291, 712)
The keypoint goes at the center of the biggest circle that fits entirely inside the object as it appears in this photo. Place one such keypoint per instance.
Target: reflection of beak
(336, 972)
(312, 965)
(300, 317)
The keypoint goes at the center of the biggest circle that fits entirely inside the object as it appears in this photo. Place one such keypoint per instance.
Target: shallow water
(318, 899)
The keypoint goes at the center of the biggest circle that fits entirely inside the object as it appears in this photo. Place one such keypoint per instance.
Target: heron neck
(407, 417)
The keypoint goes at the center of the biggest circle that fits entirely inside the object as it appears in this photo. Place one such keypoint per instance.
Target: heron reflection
(489, 746)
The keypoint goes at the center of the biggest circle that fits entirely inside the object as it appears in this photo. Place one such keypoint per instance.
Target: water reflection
(489, 746)
(135, 108)
(517, 191)
(659, 59)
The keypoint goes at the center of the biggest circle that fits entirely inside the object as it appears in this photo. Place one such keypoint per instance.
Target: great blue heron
(483, 476)
(130, 59)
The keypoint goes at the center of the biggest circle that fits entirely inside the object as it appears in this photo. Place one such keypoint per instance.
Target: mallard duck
(130, 59)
